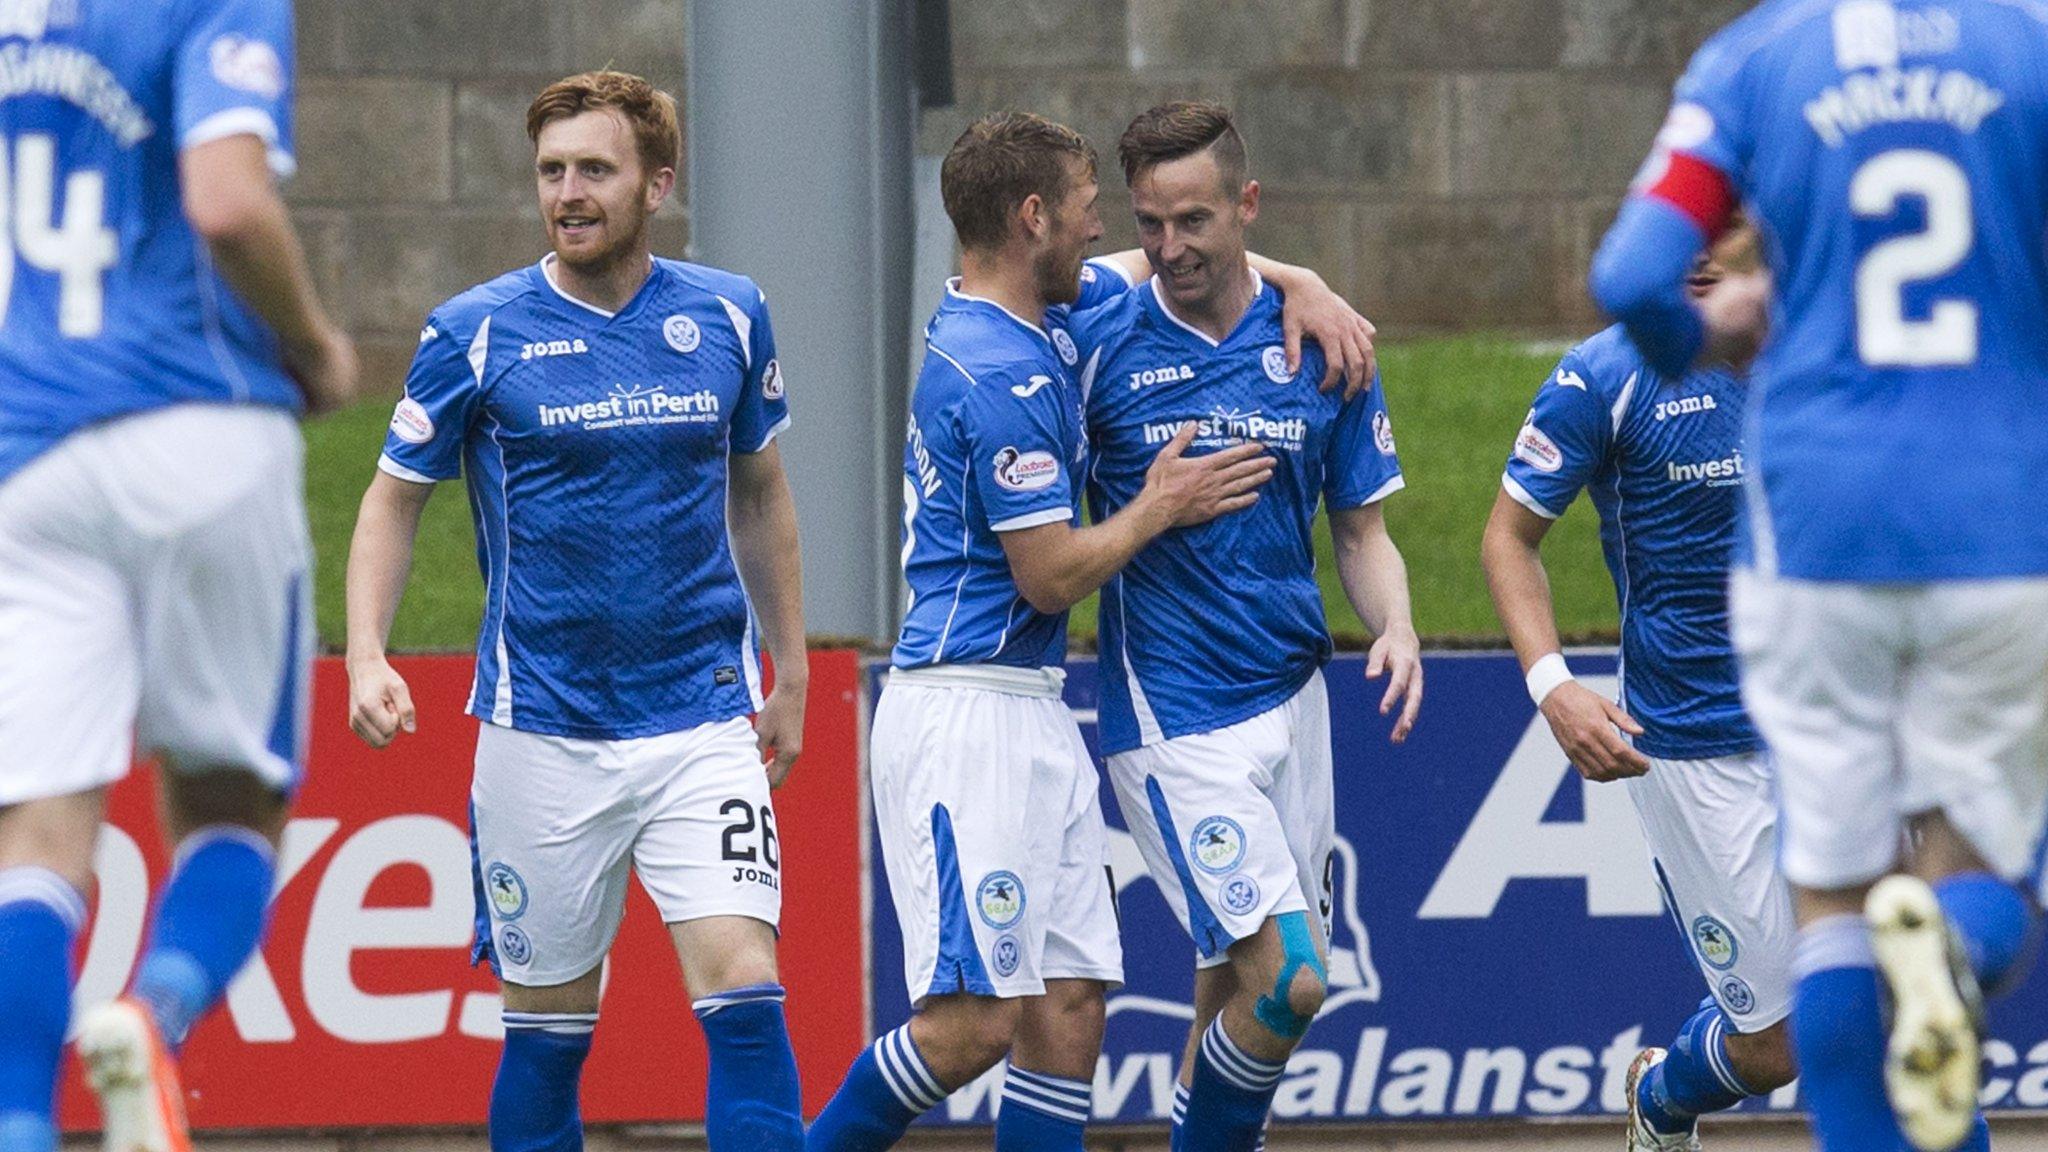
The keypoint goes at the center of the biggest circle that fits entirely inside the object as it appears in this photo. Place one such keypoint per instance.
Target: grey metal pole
(800, 127)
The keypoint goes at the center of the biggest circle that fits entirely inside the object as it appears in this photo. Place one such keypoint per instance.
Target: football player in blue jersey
(614, 417)
(1214, 715)
(985, 795)
(1890, 603)
(159, 336)
(1662, 460)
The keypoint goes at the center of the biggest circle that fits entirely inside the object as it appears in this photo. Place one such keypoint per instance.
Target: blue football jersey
(994, 445)
(108, 303)
(1218, 622)
(1896, 158)
(1663, 462)
(595, 448)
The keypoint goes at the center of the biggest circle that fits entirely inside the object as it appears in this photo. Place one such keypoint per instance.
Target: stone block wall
(1448, 164)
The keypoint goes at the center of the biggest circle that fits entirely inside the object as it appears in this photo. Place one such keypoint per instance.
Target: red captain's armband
(1697, 189)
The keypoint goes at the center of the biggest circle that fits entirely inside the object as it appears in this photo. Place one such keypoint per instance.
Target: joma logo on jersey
(1684, 406)
(553, 348)
(635, 406)
(1715, 473)
(1289, 433)
(1171, 375)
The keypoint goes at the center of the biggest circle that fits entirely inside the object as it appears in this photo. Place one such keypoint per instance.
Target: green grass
(1456, 404)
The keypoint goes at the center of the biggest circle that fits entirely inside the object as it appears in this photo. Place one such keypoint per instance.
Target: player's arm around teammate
(1313, 312)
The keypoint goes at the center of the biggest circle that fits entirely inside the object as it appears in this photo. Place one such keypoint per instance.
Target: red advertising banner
(363, 1010)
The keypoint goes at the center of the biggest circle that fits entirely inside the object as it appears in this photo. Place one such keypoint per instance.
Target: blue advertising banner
(1500, 945)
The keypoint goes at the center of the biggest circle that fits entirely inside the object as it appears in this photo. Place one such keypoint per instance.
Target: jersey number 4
(1884, 337)
(78, 252)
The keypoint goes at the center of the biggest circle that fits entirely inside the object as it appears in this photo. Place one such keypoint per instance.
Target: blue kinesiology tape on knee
(1298, 951)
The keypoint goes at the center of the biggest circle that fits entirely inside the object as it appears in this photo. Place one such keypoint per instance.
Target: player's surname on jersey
(1796, 388)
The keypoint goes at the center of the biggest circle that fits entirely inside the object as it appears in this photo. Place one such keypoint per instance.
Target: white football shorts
(557, 822)
(1884, 701)
(992, 833)
(156, 597)
(1237, 825)
(1712, 828)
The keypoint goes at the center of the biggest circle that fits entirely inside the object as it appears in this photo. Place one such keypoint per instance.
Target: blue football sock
(208, 923)
(1041, 1112)
(1180, 1116)
(888, 1086)
(1694, 1078)
(1838, 1036)
(1232, 1092)
(1994, 921)
(40, 916)
(752, 1098)
(534, 1099)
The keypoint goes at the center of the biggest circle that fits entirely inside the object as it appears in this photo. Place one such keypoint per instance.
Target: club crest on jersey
(1383, 433)
(1535, 449)
(1064, 345)
(410, 423)
(1240, 895)
(1026, 471)
(771, 381)
(1006, 954)
(514, 946)
(999, 898)
(506, 891)
(1217, 845)
(682, 333)
(1274, 361)
(1716, 943)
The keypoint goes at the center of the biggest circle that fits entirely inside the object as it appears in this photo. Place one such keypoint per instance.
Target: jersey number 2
(1884, 337)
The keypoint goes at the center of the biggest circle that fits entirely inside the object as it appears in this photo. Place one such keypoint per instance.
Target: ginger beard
(596, 195)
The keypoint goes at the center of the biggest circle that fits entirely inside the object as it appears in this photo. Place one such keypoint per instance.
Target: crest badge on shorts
(1240, 895)
(1736, 995)
(1006, 954)
(1716, 943)
(1000, 899)
(1217, 845)
(514, 946)
(506, 891)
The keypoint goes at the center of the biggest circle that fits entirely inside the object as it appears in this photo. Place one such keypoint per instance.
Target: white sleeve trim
(1104, 263)
(769, 438)
(243, 122)
(390, 467)
(1378, 494)
(1033, 520)
(1521, 496)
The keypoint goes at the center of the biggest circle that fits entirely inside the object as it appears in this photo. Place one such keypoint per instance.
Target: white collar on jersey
(1258, 286)
(547, 273)
(953, 290)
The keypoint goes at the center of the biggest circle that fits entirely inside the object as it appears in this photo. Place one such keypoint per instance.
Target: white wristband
(1545, 675)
